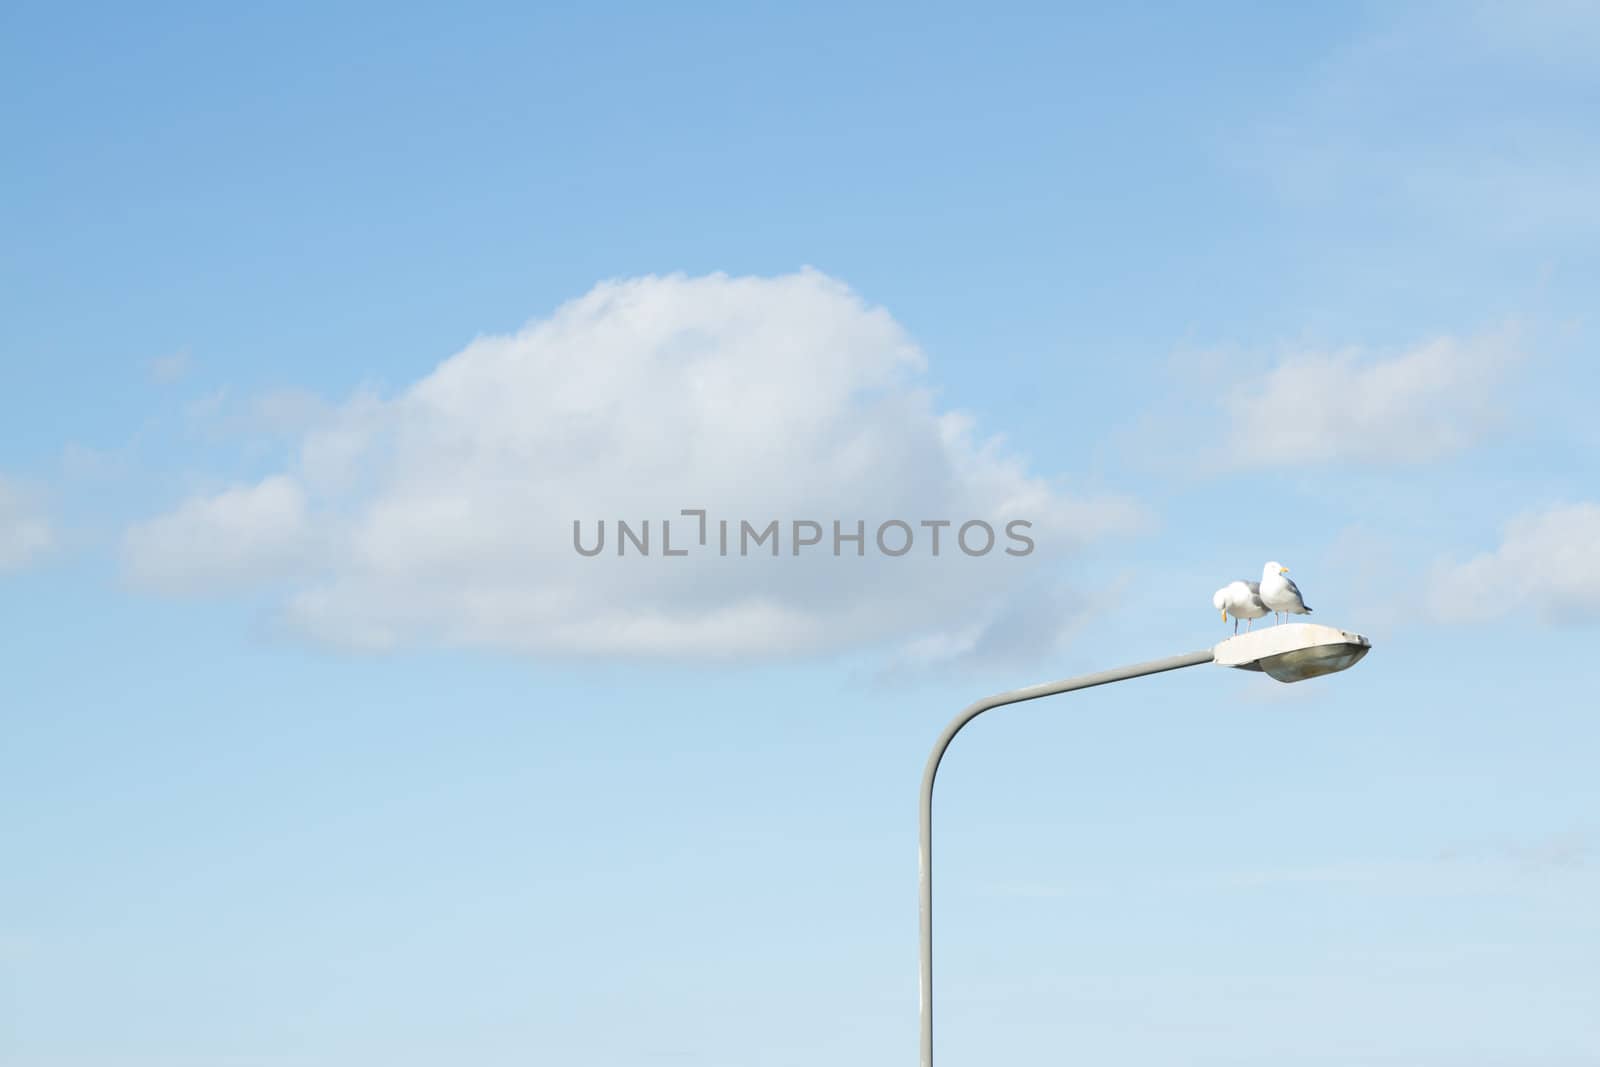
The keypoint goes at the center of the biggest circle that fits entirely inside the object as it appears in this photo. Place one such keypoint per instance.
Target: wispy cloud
(235, 538)
(283, 412)
(1570, 850)
(1414, 405)
(169, 368)
(1469, 118)
(26, 534)
(1547, 565)
(1353, 405)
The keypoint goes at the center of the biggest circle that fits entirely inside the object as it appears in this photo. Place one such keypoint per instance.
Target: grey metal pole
(925, 845)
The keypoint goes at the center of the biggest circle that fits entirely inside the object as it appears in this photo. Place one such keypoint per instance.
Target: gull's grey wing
(1255, 594)
(1295, 589)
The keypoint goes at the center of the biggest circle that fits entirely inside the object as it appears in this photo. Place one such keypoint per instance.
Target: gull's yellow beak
(1224, 614)
(1283, 570)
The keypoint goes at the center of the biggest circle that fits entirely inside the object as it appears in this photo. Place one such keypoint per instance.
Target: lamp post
(1289, 653)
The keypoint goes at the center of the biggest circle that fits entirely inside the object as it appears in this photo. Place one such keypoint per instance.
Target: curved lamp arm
(925, 845)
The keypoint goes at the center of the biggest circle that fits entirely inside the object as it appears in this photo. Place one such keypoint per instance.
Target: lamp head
(1294, 652)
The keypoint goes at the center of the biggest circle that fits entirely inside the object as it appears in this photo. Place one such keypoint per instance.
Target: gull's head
(1219, 600)
(1272, 568)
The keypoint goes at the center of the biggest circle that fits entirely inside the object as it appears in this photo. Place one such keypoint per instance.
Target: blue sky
(321, 327)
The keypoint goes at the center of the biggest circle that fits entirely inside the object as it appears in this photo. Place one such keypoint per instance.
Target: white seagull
(1242, 600)
(1279, 594)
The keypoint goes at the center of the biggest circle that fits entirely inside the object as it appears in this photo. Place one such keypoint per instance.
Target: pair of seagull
(1253, 600)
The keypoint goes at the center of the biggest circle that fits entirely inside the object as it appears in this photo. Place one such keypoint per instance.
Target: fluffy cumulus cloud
(25, 532)
(444, 514)
(1547, 565)
(1411, 406)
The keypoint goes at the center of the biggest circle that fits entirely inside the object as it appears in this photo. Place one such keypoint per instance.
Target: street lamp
(1289, 653)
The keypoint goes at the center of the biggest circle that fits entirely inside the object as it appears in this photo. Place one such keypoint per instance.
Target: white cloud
(1548, 564)
(1423, 403)
(237, 536)
(444, 514)
(25, 533)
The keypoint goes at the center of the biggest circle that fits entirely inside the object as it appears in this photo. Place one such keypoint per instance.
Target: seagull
(1242, 600)
(1279, 594)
